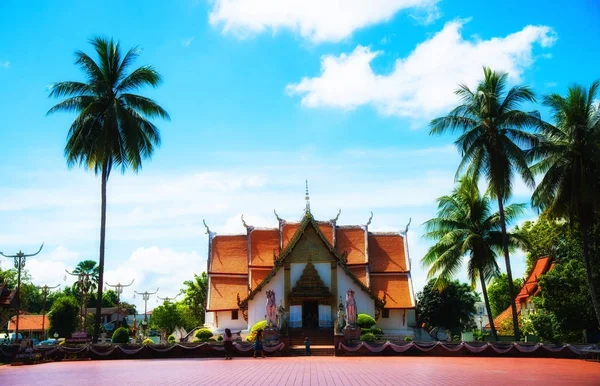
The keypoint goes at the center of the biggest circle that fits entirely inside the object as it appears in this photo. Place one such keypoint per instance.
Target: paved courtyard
(375, 371)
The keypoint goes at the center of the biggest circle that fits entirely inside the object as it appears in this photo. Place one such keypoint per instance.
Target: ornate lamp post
(119, 290)
(19, 260)
(480, 323)
(167, 299)
(45, 289)
(146, 297)
(83, 282)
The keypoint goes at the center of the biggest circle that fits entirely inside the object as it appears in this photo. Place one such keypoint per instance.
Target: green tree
(493, 135)
(569, 160)
(90, 281)
(451, 308)
(64, 316)
(499, 294)
(466, 227)
(195, 292)
(113, 127)
(167, 317)
(546, 237)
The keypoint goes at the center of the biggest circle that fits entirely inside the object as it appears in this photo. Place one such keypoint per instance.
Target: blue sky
(262, 95)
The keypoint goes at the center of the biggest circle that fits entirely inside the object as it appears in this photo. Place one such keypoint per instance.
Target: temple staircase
(321, 341)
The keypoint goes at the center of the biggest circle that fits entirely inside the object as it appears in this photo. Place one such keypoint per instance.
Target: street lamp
(145, 297)
(45, 290)
(480, 323)
(83, 282)
(167, 299)
(119, 290)
(19, 260)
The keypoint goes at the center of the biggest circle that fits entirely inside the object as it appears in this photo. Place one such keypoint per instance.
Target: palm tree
(113, 127)
(491, 144)
(465, 226)
(569, 159)
(90, 268)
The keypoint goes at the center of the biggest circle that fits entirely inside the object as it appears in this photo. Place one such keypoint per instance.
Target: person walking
(307, 346)
(258, 344)
(228, 343)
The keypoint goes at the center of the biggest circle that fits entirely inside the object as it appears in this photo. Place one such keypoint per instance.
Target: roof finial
(370, 218)
(244, 222)
(307, 198)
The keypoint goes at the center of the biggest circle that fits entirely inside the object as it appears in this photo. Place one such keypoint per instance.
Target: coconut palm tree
(569, 160)
(465, 227)
(113, 127)
(493, 134)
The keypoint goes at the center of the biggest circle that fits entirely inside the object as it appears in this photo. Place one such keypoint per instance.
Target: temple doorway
(310, 314)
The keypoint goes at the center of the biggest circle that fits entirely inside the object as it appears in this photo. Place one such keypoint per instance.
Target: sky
(262, 95)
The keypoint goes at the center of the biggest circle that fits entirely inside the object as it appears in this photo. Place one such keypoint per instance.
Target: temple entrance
(310, 314)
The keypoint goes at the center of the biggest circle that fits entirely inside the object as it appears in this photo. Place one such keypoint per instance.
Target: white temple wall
(324, 270)
(295, 273)
(257, 307)
(364, 303)
(209, 320)
(223, 320)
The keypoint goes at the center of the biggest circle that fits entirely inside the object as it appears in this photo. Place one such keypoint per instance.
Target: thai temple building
(310, 265)
(530, 289)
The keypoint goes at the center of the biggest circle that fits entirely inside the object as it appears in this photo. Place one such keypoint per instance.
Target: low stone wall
(128, 351)
(497, 349)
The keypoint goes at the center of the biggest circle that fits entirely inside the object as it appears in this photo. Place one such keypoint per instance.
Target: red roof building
(296, 255)
(530, 289)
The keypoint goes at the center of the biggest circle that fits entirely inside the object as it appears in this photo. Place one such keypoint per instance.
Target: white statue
(350, 309)
(271, 309)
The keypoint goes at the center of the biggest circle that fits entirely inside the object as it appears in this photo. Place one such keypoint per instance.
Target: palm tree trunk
(588, 271)
(101, 261)
(488, 308)
(511, 287)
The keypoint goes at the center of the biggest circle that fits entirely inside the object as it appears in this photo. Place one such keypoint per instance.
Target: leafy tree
(451, 308)
(493, 134)
(546, 237)
(87, 267)
(112, 128)
(499, 295)
(64, 316)
(109, 299)
(569, 160)
(195, 292)
(465, 227)
(565, 296)
(167, 317)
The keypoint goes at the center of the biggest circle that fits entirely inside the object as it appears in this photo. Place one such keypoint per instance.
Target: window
(234, 315)
(386, 313)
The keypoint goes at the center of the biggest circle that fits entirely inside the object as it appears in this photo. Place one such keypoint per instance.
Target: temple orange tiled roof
(360, 273)
(352, 241)
(288, 232)
(29, 323)
(396, 289)
(224, 291)
(530, 288)
(386, 253)
(229, 254)
(263, 244)
(327, 229)
(257, 276)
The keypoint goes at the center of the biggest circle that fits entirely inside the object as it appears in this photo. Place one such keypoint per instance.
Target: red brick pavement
(375, 371)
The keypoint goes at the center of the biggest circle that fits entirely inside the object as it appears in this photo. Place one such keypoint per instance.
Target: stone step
(324, 350)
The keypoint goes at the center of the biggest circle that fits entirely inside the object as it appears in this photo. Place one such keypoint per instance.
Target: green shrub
(220, 338)
(250, 338)
(147, 341)
(365, 321)
(121, 335)
(196, 340)
(204, 334)
(375, 331)
(408, 339)
(368, 337)
(171, 339)
(211, 340)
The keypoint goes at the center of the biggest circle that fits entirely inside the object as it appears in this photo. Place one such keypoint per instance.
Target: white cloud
(315, 20)
(187, 42)
(423, 83)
